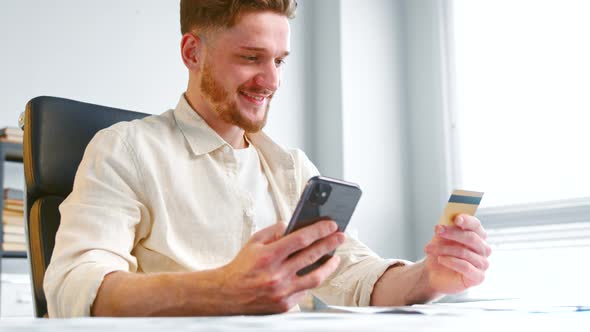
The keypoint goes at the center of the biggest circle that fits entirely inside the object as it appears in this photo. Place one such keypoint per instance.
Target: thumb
(270, 233)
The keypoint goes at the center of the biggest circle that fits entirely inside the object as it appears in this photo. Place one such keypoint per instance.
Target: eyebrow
(259, 49)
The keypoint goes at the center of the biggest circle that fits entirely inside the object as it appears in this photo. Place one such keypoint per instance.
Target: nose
(269, 77)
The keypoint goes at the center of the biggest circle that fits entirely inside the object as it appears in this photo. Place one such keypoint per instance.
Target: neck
(230, 133)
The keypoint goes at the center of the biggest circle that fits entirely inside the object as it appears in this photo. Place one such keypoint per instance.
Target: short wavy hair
(206, 15)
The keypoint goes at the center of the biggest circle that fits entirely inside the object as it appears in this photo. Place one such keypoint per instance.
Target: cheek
(240, 77)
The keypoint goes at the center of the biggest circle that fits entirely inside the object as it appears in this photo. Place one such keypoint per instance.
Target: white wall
(373, 129)
(427, 108)
(117, 53)
(324, 77)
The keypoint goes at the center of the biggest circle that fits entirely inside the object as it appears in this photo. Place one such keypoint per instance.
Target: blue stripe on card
(464, 199)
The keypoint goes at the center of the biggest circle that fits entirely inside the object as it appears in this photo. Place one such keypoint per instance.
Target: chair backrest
(56, 133)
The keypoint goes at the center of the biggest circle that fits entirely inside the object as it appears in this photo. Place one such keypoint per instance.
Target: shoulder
(282, 157)
(302, 161)
(130, 142)
(304, 167)
(150, 127)
(152, 135)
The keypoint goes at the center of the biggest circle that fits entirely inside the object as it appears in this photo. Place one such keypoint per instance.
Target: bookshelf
(15, 289)
(9, 152)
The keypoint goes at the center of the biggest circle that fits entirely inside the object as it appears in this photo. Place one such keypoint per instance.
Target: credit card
(461, 201)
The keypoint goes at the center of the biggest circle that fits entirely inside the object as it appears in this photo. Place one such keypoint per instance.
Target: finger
(313, 253)
(280, 228)
(315, 278)
(303, 238)
(471, 275)
(470, 223)
(269, 234)
(480, 262)
(467, 238)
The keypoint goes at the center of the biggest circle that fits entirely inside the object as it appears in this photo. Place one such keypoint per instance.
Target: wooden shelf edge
(14, 254)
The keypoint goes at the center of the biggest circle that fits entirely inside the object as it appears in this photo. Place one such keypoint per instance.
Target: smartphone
(324, 198)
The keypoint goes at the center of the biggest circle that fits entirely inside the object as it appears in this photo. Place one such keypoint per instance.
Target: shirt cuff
(78, 291)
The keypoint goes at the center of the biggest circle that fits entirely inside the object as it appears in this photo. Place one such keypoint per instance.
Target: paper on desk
(464, 308)
(414, 309)
(521, 305)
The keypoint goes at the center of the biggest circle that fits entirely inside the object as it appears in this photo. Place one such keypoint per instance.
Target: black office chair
(56, 132)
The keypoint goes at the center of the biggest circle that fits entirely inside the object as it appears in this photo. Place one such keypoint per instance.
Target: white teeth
(258, 98)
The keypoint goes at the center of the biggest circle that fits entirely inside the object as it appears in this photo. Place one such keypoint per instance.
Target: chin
(252, 119)
(254, 115)
(253, 125)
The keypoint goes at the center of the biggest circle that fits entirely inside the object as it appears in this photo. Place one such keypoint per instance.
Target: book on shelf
(16, 195)
(13, 210)
(11, 140)
(11, 131)
(13, 220)
(13, 238)
(11, 204)
(13, 229)
(9, 219)
(11, 135)
(8, 246)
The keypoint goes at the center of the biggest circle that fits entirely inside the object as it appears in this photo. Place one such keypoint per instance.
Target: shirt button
(226, 149)
(249, 213)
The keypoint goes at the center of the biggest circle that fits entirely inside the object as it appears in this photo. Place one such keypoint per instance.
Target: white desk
(484, 321)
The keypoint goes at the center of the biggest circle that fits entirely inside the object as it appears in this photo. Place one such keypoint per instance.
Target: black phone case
(339, 204)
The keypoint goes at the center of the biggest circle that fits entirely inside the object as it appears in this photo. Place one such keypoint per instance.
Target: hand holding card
(457, 254)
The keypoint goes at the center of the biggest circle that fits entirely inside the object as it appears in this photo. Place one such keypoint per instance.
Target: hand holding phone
(324, 198)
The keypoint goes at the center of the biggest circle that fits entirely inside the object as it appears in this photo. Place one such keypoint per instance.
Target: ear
(190, 49)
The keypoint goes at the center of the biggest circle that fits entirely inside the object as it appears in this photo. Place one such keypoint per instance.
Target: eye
(279, 62)
(251, 58)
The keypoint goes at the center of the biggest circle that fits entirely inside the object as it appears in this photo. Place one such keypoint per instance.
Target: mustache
(259, 91)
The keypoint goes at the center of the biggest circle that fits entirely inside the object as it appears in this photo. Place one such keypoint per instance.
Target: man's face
(241, 68)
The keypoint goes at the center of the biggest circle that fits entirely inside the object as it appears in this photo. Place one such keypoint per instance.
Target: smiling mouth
(253, 98)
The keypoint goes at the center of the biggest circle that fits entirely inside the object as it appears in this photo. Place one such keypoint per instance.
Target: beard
(226, 107)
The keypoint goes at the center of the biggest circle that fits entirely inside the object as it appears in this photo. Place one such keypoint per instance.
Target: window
(521, 128)
(523, 82)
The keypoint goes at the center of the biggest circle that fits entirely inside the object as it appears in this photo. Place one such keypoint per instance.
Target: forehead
(266, 30)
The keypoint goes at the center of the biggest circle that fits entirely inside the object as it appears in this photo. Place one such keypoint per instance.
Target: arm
(456, 260)
(164, 294)
(403, 285)
(261, 279)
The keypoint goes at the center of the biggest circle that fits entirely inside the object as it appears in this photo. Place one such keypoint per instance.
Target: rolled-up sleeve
(352, 283)
(99, 222)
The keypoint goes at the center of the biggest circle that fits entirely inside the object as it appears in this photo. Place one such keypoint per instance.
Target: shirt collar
(281, 158)
(201, 138)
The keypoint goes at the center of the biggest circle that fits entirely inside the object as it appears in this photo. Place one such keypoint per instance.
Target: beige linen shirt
(160, 195)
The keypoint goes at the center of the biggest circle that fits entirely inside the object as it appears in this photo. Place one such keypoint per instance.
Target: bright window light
(523, 99)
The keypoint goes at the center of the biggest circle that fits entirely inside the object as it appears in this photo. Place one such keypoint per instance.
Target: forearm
(403, 285)
(162, 294)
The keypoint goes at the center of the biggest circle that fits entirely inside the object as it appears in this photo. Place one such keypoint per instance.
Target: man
(177, 214)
